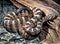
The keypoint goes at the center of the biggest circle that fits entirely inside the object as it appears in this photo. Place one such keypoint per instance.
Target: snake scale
(26, 24)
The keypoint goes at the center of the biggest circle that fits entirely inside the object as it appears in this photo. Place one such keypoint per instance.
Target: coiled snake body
(28, 25)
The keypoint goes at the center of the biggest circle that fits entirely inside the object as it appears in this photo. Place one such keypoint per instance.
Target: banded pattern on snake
(19, 21)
